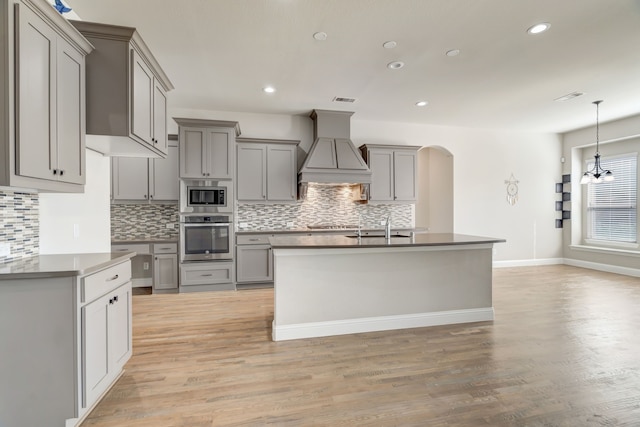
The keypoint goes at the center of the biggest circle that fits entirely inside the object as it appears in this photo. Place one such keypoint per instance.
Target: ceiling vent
(343, 99)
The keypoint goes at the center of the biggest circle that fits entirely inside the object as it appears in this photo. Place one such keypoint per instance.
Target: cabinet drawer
(137, 248)
(253, 239)
(165, 248)
(206, 274)
(98, 284)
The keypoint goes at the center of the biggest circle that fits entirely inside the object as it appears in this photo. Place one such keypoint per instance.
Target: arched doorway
(434, 209)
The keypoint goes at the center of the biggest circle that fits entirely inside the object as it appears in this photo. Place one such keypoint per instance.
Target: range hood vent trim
(333, 158)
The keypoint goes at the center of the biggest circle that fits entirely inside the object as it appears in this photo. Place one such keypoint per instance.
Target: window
(612, 206)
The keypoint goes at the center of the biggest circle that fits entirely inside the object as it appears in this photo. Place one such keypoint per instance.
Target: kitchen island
(333, 285)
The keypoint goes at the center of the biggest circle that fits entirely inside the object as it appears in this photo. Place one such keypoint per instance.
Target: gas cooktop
(331, 227)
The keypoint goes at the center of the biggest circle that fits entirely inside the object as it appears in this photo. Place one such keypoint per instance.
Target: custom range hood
(332, 158)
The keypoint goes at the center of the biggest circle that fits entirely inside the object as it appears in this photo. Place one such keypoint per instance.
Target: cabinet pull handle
(207, 275)
(164, 249)
(113, 278)
(254, 240)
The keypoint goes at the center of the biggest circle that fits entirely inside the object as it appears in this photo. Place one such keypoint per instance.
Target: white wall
(620, 136)
(483, 160)
(90, 211)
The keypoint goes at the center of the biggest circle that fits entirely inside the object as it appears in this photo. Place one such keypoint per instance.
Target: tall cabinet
(42, 98)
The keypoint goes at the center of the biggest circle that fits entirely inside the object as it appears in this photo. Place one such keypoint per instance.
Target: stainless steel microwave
(207, 196)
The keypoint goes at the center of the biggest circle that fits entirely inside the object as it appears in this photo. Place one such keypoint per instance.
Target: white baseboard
(634, 272)
(527, 262)
(384, 323)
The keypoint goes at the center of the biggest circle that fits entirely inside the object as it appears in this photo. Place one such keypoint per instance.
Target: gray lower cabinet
(142, 179)
(66, 341)
(43, 93)
(266, 170)
(254, 259)
(165, 267)
(202, 276)
(393, 172)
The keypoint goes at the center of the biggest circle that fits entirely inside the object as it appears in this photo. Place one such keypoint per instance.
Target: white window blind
(612, 206)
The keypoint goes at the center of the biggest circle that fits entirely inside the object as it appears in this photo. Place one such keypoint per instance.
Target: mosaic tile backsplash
(327, 205)
(19, 225)
(144, 222)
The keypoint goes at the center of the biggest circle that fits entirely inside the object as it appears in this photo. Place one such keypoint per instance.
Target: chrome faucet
(387, 228)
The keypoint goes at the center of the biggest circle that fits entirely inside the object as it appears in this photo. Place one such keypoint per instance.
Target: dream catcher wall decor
(512, 190)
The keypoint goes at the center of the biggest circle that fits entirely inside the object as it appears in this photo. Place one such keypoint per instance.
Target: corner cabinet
(42, 93)
(126, 93)
(142, 179)
(393, 172)
(207, 148)
(266, 170)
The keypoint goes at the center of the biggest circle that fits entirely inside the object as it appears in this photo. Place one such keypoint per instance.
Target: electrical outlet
(5, 249)
(145, 266)
(243, 225)
(170, 225)
(290, 224)
(383, 222)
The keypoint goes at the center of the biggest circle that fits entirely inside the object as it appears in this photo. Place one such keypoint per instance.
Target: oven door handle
(206, 224)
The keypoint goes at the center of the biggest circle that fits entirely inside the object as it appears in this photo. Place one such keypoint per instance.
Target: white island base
(333, 291)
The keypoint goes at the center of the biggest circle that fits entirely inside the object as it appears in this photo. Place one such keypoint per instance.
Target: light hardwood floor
(564, 350)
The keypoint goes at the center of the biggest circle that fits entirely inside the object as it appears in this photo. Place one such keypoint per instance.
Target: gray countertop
(419, 239)
(61, 265)
(316, 231)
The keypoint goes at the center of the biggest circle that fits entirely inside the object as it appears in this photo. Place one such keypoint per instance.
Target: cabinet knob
(61, 172)
(55, 171)
(115, 299)
(151, 196)
(110, 301)
(145, 196)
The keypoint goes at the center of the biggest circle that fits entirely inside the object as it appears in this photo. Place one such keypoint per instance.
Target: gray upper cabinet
(206, 148)
(45, 57)
(393, 172)
(126, 93)
(142, 179)
(266, 170)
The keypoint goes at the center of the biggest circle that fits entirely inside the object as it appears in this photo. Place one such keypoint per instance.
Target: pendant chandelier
(597, 174)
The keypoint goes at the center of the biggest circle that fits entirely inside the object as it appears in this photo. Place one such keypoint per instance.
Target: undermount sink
(371, 236)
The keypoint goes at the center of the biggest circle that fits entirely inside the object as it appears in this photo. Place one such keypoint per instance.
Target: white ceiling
(219, 54)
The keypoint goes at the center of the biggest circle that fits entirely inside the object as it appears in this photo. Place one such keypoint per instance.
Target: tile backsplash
(330, 205)
(19, 225)
(144, 222)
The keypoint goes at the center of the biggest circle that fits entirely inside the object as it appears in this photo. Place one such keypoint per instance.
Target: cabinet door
(129, 178)
(381, 165)
(281, 172)
(95, 358)
(192, 143)
(254, 263)
(404, 182)
(252, 163)
(165, 271)
(159, 117)
(36, 97)
(70, 158)
(218, 153)
(141, 99)
(119, 327)
(163, 178)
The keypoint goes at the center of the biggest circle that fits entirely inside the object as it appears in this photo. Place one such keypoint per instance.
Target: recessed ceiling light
(453, 52)
(539, 28)
(320, 35)
(395, 65)
(389, 45)
(421, 103)
(268, 89)
(569, 96)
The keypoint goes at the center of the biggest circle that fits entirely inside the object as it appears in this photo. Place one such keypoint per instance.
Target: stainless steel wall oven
(206, 237)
